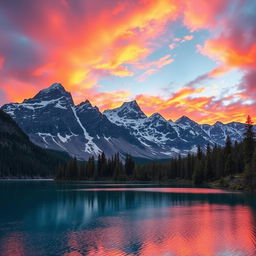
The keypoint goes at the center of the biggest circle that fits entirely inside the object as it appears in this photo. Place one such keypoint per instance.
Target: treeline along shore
(233, 166)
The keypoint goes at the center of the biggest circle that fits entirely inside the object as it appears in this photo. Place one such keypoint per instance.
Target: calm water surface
(73, 219)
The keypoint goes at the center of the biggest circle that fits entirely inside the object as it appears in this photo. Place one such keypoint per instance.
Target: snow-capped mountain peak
(130, 110)
(186, 121)
(86, 105)
(157, 116)
(55, 92)
(55, 86)
(127, 111)
(53, 89)
(130, 104)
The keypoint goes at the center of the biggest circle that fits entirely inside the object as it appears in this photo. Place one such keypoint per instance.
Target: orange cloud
(18, 90)
(104, 100)
(199, 14)
(79, 48)
(91, 50)
(199, 108)
(127, 55)
(229, 55)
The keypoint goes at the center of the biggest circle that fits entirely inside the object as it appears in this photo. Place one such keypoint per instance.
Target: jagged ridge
(52, 120)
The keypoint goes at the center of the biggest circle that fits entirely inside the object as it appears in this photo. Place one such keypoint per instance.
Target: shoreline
(228, 185)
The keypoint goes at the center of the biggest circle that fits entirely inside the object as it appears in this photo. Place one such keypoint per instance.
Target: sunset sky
(175, 57)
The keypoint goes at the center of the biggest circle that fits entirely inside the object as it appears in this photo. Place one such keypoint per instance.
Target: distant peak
(85, 104)
(184, 119)
(157, 116)
(218, 123)
(130, 110)
(132, 104)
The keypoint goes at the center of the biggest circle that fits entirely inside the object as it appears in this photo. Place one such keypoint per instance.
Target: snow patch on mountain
(90, 146)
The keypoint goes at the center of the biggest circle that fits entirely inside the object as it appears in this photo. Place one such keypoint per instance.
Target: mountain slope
(19, 157)
(53, 121)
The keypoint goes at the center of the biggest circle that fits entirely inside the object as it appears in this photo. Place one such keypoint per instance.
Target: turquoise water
(73, 219)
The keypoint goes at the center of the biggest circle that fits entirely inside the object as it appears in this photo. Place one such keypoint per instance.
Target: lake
(45, 218)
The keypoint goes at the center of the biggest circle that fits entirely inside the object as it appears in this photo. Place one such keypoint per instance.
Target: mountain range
(53, 121)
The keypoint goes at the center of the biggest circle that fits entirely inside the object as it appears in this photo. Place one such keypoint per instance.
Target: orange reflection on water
(164, 190)
(196, 230)
(204, 230)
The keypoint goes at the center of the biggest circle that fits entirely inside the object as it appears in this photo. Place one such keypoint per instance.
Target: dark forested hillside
(19, 157)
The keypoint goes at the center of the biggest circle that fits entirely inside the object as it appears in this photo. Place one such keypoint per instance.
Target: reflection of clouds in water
(117, 221)
(196, 230)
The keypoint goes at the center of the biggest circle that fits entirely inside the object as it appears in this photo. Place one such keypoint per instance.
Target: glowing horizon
(192, 58)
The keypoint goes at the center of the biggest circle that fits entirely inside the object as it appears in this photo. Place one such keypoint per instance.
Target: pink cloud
(172, 46)
(200, 14)
(147, 73)
(188, 37)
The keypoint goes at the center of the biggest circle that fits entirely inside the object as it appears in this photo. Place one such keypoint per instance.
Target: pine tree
(129, 165)
(228, 147)
(101, 165)
(228, 166)
(198, 175)
(74, 169)
(209, 175)
(249, 142)
(199, 152)
(83, 171)
(90, 168)
(189, 167)
(119, 173)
